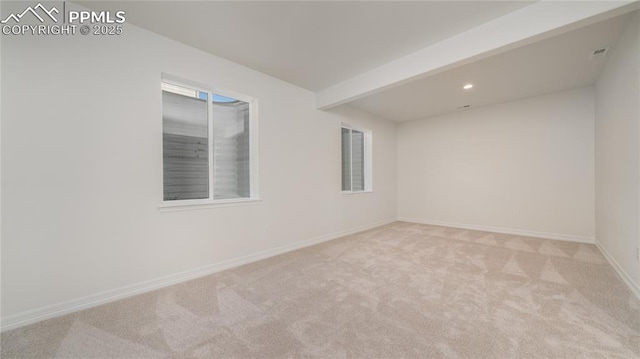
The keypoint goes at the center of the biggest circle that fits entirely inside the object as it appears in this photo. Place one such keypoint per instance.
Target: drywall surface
(617, 152)
(525, 166)
(82, 169)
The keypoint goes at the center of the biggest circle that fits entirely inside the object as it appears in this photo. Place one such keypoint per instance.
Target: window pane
(185, 143)
(346, 159)
(357, 158)
(231, 146)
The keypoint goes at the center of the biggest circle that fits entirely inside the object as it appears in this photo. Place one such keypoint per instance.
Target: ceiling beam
(535, 22)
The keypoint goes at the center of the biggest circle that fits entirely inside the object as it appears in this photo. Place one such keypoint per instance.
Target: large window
(356, 160)
(207, 145)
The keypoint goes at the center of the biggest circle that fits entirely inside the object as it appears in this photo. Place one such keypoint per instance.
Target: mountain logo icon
(34, 12)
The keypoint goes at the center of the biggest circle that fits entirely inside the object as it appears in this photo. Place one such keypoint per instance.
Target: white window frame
(253, 149)
(368, 159)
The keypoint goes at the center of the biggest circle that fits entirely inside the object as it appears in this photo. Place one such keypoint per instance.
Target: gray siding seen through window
(186, 117)
(185, 147)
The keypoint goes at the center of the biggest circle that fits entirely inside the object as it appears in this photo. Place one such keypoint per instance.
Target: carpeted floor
(400, 290)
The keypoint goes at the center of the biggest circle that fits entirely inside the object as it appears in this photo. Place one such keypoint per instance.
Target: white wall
(519, 166)
(82, 169)
(618, 153)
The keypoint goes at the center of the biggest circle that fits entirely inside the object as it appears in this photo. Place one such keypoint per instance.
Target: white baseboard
(74, 305)
(626, 278)
(515, 232)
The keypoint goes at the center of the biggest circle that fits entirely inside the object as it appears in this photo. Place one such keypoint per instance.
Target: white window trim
(204, 203)
(368, 160)
(189, 205)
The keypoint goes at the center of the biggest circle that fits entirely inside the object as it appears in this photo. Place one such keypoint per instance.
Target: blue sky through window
(223, 99)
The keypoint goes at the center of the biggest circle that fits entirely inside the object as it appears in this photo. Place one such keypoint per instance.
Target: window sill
(206, 204)
(358, 192)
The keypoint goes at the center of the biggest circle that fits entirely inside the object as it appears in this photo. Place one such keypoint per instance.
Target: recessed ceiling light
(467, 86)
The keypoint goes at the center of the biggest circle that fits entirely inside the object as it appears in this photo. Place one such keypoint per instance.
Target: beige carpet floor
(400, 290)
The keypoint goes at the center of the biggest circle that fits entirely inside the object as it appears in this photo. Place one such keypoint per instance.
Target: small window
(356, 160)
(207, 145)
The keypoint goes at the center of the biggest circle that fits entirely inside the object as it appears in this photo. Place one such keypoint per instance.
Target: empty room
(320, 179)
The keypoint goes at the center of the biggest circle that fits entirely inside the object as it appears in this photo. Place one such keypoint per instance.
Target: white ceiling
(342, 48)
(555, 64)
(311, 44)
